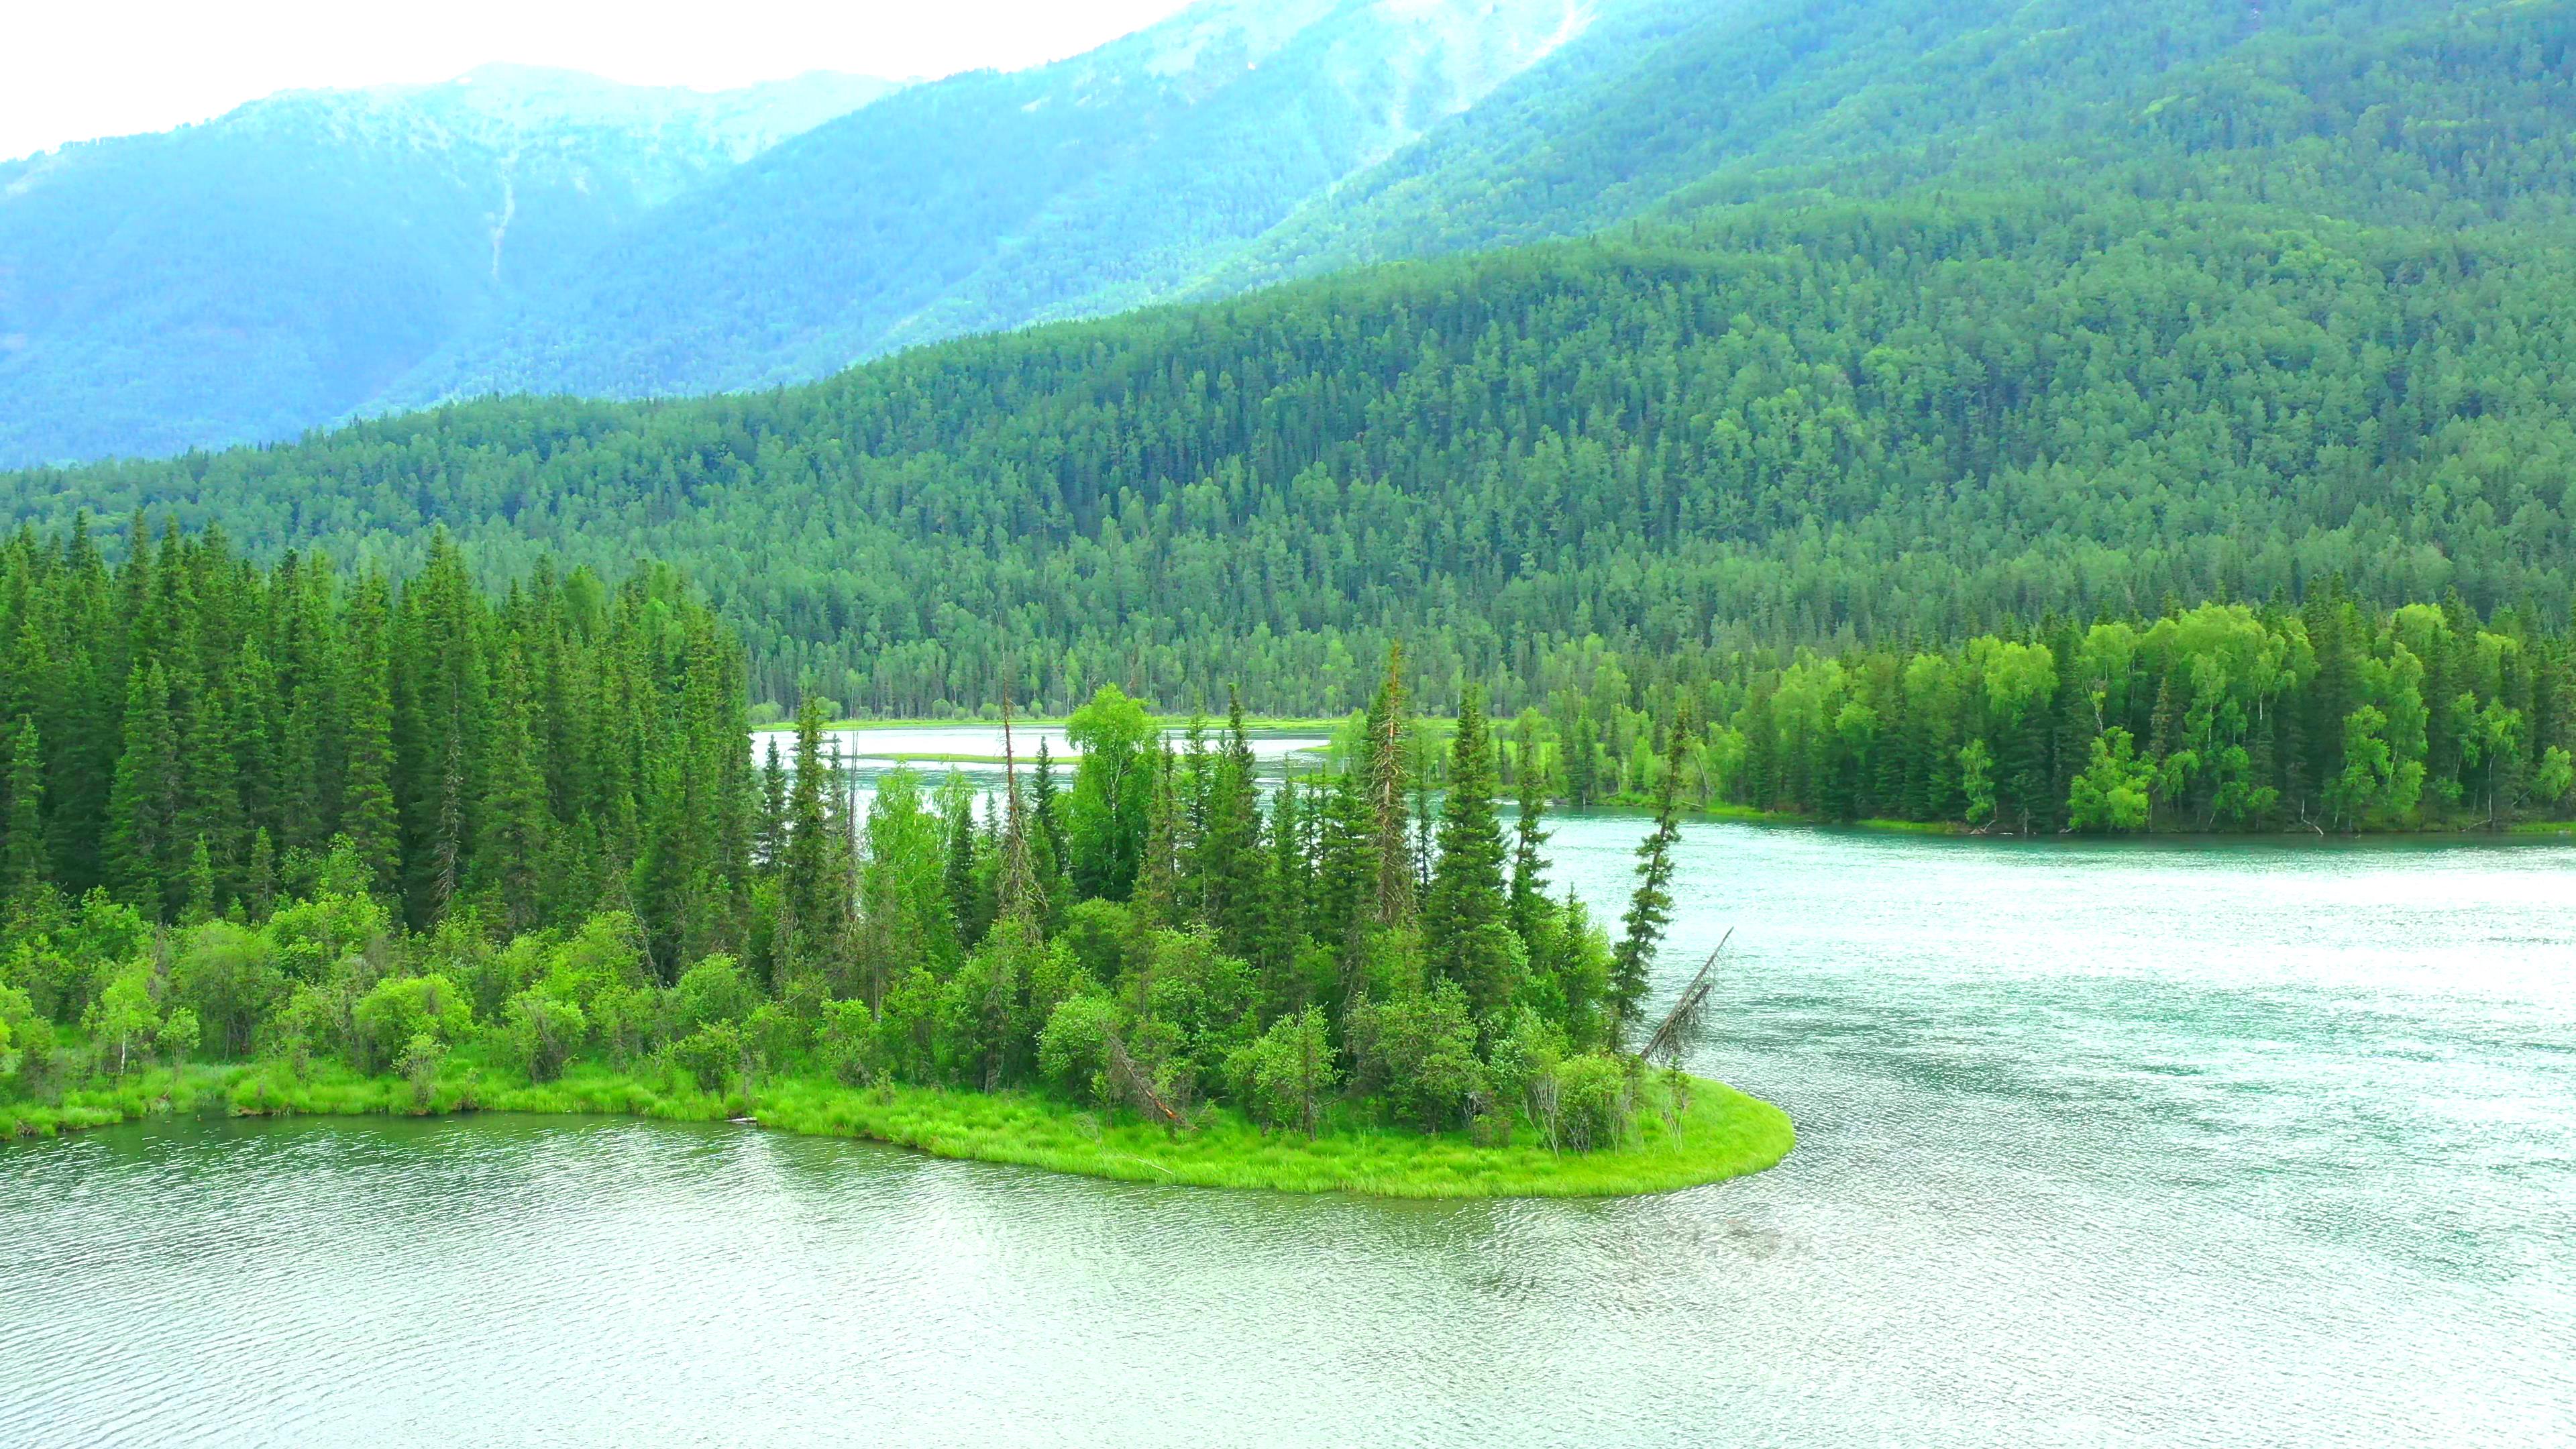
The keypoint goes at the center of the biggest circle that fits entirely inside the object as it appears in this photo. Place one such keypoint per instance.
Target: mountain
(990, 201)
(280, 266)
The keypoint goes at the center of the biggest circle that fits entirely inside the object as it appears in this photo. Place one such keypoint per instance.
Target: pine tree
(259, 882)
(513, 850)
(143, 804)
(1229, 851)
(28, 868)
(369, 817)
(1388, 736)
(1650, 911)
(1529, 867)
(1346, 865)
(1462, 914)
(965, 889)
(773, 809)
(808, 884)
(1285, 884)
(1046, 810)
(1158, 874)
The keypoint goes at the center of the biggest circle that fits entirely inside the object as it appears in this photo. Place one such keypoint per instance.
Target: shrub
(1073, 1050)
(227, 974)
(419, 1064)
(177, 1036)
(543, 1033)
(709, 992)
(714, 1056)
(1417, 1051)
(398, 1008)
(1593, 1102)
(849, 1041)
(1283, 1077)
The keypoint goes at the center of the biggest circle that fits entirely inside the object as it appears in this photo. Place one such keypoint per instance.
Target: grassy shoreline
(1725, 1133)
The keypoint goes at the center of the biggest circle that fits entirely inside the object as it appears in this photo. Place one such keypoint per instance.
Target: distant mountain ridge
(280, 266)
(316, 259)
(323, 255)
(990, 201)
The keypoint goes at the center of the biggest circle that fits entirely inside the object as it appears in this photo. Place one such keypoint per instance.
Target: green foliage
(542, 1033)
(1418, 1053)
(395, 1010)
(1073, 1050)
(1285, 1076)
(2112, 793)
(1593, 1102)
(1946, 316)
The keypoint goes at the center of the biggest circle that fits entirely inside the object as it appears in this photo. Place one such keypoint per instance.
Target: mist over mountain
(282, 265)
(989, 201)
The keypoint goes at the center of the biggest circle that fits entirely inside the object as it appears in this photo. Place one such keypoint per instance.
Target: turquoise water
(2192, 1144)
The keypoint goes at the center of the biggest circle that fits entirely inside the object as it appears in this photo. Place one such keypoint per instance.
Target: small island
(415, 850)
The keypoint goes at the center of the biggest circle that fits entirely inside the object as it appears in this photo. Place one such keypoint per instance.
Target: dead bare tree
(1132, 1083)
(1682, 1028)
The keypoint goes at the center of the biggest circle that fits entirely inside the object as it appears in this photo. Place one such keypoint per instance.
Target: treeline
(190, 733)
(2331, 717)
(387, 823)
(1858, 424)
(2299, 307)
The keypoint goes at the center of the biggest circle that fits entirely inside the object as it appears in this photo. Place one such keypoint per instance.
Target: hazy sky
(74, 69)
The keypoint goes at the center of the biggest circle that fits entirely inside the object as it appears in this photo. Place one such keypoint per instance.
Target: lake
(2166, 1144)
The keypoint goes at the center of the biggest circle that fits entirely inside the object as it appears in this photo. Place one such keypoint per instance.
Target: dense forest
(257, 812)
(2328, 718)
(2300, 312)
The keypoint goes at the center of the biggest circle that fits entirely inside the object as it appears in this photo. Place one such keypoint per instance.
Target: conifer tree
(1529, 867)
(1047, 843)
(1158, 874)
(27, 866)
(1388, 739)
(1462, 914)
(773, 810)
(1285, 884)
(1346, 864)
(1650, 909)
(143, 805)
(807, 893)
(1229, 865)
(368, 814)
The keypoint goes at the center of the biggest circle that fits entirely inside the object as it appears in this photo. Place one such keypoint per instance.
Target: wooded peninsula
(377, 846)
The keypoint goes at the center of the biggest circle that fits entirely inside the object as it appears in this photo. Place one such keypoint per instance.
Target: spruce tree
(143, 804)
(807, 887)
(1462, 913)
(1229, 865)
(773, 810)
(27, 866)
(1528, 898)
(1389, 735)
(1344, 902)
(1650, 910)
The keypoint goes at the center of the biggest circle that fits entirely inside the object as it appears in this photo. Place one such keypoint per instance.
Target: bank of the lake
(1722, 1133)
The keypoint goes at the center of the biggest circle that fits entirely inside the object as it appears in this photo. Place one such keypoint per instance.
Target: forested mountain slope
(315, 258)
(1856, 421)
(2164, 370)
(280, 266)
(2378, 109)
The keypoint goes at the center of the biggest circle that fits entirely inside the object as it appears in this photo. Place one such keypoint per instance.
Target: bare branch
(1687, 1022)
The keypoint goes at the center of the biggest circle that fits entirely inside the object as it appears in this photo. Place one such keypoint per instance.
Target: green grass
(1725, 1134)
